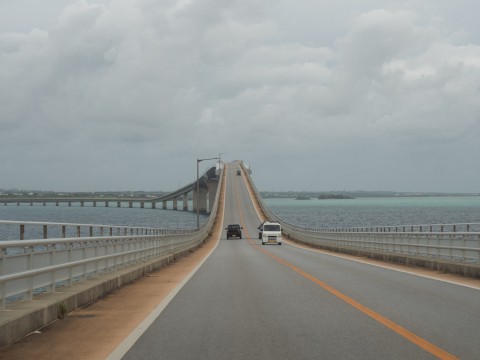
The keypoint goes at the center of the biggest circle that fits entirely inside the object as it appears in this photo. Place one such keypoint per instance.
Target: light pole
(220, 161)
(198, 190)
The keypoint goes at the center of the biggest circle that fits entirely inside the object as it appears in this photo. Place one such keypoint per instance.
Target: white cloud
(135, 81)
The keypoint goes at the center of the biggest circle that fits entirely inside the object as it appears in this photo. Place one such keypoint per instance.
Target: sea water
(315, 213)
(378, 211)
(100, 215)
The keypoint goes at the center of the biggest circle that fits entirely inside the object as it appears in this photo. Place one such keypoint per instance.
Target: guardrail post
(3, 291)
(53, 278)
(84, 257)
(3, 256)
(22, 231)
(78, 231)
(70, 270)
(64, 231)
(29, 293)
(45, 232)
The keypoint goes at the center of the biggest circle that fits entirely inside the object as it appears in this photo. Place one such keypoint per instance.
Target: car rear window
(271, 228)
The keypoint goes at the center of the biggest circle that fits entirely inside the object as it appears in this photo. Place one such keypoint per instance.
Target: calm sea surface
(306, 213)
(365, 212)
(156, 218)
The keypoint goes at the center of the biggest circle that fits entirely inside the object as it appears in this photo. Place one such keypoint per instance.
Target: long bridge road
(249, 301)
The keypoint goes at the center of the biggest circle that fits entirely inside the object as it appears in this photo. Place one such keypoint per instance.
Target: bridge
(203, 194)
(305, 299)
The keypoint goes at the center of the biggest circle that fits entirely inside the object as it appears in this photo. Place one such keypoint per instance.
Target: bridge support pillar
(200, 199)
(185, 202)
(56, 203)
(69, 203)
(119, 204)
(175, 204)
(130, 204)
(142, 205)
(212, 193)
(154, 205)
(106, 203)
(94, 204)
(82, 203)
(164, 205)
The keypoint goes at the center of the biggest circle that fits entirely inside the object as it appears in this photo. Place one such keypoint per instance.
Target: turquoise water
(360, 212)
(366, 212)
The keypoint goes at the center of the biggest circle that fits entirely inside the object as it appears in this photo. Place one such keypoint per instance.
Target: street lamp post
(220, 161)
(198, 189)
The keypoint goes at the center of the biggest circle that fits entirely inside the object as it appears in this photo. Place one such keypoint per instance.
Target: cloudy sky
(313, 95)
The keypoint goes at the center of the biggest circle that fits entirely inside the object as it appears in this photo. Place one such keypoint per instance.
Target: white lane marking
(131, 339)
(475, 287)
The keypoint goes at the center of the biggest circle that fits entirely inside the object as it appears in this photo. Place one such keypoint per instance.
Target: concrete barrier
(23, 317)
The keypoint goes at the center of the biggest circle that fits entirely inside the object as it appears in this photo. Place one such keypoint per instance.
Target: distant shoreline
(335, 197)
(355, 194)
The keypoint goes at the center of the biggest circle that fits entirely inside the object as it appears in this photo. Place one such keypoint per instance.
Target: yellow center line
(417, 340)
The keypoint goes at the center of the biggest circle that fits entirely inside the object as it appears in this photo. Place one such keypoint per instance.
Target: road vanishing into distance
(249, 301)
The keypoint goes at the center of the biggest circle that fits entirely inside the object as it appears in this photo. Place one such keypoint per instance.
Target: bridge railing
(22, 230)
(458, 227)
(448, 242)
(28, 267)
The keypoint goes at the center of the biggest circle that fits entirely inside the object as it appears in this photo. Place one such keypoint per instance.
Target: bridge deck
(249, 301)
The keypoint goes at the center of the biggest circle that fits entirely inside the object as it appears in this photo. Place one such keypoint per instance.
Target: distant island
(334, 196)
(322, 195)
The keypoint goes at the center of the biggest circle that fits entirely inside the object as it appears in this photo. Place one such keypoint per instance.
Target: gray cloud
(127, 94)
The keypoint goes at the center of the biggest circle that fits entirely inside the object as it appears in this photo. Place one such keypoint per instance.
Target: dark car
(234, 230)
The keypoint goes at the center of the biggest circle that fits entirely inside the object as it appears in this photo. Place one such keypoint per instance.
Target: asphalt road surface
(249, 301)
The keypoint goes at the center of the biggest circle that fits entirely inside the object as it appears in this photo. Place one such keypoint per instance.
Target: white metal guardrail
(459, 227)
(450, 242)
(32, 266)
(43, 230)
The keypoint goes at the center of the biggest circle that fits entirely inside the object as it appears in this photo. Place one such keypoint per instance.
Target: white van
(270, 233)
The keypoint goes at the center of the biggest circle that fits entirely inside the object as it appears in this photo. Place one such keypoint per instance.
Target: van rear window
(271, 228)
